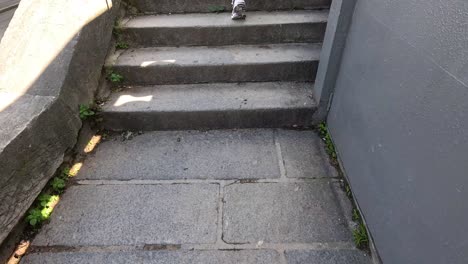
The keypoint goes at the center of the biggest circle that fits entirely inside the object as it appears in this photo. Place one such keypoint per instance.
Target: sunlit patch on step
(75, 169)
(148, 63)
(124, 99)
(93, 142)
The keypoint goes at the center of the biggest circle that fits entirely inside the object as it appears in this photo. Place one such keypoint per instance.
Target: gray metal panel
(399, 120)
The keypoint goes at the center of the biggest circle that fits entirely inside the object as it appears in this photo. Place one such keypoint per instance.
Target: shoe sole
(239, 9)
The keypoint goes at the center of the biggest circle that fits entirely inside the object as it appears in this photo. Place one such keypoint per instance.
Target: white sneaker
(238, 10)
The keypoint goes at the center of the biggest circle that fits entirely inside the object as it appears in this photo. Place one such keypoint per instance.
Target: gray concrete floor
(254, 196)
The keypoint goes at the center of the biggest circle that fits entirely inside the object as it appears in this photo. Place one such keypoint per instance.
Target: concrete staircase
(249, 193)
(204, 71)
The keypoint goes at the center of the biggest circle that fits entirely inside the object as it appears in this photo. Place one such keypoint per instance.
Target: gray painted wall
(399, 119)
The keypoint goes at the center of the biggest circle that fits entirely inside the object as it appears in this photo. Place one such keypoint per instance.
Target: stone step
(206, 6)
(212, 155)
(210, 106)
(219, 29)
(238, 63)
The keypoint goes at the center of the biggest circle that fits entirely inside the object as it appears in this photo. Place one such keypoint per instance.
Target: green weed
(114, 77)
(34, 217)
(121, 45)
(43, 210)
(330, 147)
(58, 184)
(65, 173)
(45, 202)
(86, 112)
(117, 30)
(348, 191)
(356, 215)
(360, 236)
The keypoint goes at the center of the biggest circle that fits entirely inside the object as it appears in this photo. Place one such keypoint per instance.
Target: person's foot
(238, 11)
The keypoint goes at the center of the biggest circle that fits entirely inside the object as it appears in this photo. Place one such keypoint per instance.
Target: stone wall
(51, 58)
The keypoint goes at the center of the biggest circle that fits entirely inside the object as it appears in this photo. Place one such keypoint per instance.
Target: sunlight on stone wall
(37, 34)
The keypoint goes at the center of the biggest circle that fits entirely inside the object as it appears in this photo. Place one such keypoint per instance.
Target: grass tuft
(330, 147)
(360, 236)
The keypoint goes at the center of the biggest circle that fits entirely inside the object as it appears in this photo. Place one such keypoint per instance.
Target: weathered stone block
(171, 155)
(304, 155)
(35, 132)
(110, 215)
(342, 256)
(283, 213)
(159, 257)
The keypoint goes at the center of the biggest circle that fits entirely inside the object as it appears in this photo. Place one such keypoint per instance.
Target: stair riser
(222, 119)
(203, 6)
(205, 36)
(291, 71)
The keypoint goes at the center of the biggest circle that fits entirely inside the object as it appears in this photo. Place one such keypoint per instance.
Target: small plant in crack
(46, 201)
(117, 30)
(356, 215)
(86, 112)
(348, 191)
(34, 217)
(65, 173)
(114, 77)
(43, 210)
(58, 184)
(121, 45)
(330, 147)
(360, 236)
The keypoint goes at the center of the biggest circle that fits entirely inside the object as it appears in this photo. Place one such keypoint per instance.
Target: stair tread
(212, 97)
(219, 55)
(204, 6)
(224, 20)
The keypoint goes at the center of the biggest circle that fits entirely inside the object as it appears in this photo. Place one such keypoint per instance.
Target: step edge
(316, 47)
(313, 14)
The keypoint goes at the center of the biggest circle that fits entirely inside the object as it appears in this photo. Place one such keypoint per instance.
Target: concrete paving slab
(219, 29)
(109, 215)
(218, 105)
(283, 213)
(237, 63)
(159, 257)
(171, 155)
(304, 155)
(342, 256)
